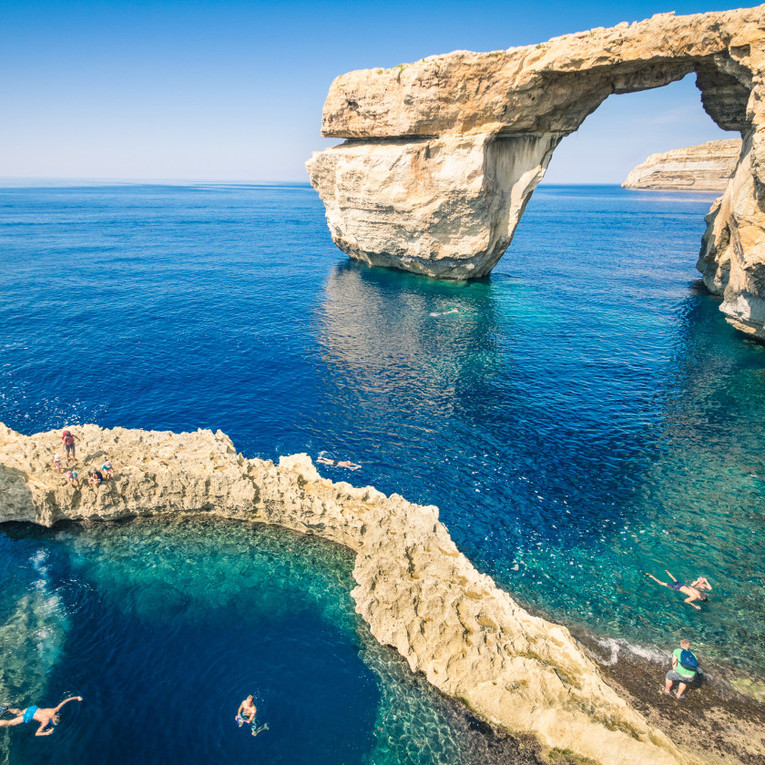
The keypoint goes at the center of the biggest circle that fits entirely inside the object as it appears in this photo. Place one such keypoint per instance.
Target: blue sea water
(583, 416)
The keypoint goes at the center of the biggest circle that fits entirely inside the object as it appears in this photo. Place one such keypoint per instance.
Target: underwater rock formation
(416, 590)
(442, 155)
(703, 167)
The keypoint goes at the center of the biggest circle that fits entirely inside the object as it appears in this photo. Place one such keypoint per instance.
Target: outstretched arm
(43, 730)
(689, 600)
(66, 701)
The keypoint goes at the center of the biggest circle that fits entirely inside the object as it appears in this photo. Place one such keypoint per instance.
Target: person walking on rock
(69, 438)
(683, 672)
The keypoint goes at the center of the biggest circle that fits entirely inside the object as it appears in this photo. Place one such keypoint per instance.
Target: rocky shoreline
(416, 591)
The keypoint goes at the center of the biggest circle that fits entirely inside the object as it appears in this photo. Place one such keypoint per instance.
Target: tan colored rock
(415, 589)
(443, 154)
(703, 167)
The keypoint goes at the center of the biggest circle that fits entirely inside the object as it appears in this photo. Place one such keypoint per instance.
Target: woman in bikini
(694, 590)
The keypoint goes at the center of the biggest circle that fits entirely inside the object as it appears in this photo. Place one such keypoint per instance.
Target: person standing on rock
(683, 672)
(69, 438)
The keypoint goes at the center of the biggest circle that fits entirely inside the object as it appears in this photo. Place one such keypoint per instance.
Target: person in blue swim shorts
(47, 717)
(694, 590)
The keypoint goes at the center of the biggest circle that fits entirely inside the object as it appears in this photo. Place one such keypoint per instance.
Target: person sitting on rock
(48, 717)
(694, 591)
(107, 470)
(96, 478)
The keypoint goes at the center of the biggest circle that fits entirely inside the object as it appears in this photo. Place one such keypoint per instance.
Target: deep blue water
(581, 417)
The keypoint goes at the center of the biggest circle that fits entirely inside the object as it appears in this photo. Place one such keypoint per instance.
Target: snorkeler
(337, 463)
(46, 716)
(246, 714)
(694, 590)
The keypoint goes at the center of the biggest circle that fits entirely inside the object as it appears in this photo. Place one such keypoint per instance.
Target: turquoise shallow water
(581, 417)
(164, 628)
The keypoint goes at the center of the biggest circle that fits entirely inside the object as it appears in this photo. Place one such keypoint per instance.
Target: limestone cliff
(704, 167)
(415, 589)
(443, 154)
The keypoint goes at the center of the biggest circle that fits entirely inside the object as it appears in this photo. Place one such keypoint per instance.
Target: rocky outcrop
(418, 593)
(704, 167)
(442, 155)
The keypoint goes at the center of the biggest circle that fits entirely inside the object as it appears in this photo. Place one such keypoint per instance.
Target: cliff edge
(703, 167)
(418, 593)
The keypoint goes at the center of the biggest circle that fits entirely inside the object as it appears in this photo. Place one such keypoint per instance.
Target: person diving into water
(48, 717)
(694, 590)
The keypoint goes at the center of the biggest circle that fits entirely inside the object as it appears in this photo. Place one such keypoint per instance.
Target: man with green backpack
(684, 668)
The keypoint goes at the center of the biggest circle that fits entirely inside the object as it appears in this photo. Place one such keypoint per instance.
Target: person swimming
(694, 590)
(246, 714)
(47, 717)
(327, 459)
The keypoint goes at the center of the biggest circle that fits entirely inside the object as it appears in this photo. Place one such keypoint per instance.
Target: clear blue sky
(234, 89)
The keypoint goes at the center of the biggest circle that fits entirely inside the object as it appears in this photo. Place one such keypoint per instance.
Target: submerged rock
(415, 589)
(704, 167)
(443, 154)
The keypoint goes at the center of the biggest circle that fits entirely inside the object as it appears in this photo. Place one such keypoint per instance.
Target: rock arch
(442, 155)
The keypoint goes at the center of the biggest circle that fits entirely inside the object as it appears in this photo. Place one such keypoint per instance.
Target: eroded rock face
(443, 154)
(415, 589)
(704, 167)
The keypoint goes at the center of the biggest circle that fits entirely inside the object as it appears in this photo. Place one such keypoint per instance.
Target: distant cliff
(704, 167)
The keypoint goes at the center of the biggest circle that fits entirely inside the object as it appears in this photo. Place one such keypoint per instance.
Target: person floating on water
(694, 590)
(246, 714)
(327, 459)
(48, 717)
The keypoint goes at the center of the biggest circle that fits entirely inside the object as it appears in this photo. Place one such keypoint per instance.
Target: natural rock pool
(164, 627)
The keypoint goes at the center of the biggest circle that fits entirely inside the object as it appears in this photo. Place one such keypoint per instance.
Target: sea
(581, 417)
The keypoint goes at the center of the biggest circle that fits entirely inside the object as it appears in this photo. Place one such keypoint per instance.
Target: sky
(233, 90)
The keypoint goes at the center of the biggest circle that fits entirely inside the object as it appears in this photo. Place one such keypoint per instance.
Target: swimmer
(338, 463)
(246, 714)
(694, 590)
(46, 716)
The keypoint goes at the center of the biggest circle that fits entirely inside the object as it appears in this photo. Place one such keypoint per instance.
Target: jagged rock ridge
(703, 167)
(418, 593)
(443, 154)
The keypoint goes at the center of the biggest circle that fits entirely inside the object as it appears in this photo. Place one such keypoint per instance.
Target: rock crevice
(442, 155)
(416, 590)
